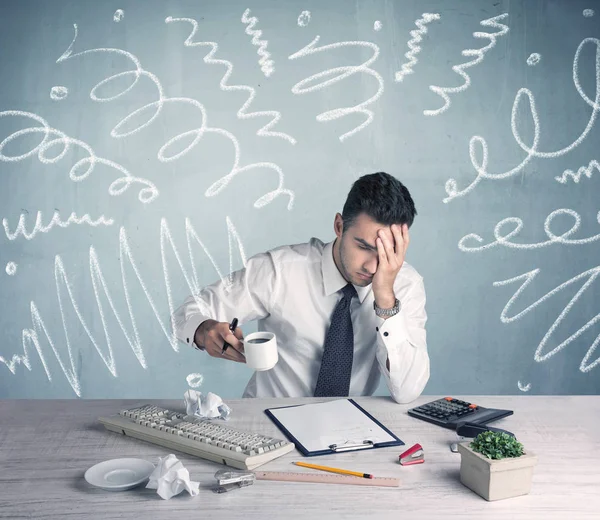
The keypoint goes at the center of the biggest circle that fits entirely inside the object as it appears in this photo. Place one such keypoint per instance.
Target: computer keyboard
(449, 413)
(202, 438)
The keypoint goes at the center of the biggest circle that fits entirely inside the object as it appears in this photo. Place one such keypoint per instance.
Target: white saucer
(119, 474)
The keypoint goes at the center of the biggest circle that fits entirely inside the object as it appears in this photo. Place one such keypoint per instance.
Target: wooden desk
(47, 445)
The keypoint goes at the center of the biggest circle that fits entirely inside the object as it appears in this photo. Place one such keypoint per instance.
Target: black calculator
(449, 413)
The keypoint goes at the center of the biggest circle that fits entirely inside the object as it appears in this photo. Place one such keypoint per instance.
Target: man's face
(358, 250)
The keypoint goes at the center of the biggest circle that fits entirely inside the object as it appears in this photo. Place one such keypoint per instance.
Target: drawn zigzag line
(209, 59)
(527, 278)
(417, 36)
(576, 176)
(39, 337)
(479, 56)
(266, 64)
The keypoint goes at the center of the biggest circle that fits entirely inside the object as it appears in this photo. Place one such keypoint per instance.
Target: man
(344, 312)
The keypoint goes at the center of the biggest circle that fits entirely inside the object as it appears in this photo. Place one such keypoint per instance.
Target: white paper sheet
(317, 426)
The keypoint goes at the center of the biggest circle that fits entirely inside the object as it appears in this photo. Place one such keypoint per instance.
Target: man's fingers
(239, 335)
(234, 341)
(232, 352)
(406, 236)
(388, 243)
(381, 251)
(217, 339)
(234, 355)
(398, 232)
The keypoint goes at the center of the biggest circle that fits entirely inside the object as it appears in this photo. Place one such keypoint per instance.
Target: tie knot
(349, 291)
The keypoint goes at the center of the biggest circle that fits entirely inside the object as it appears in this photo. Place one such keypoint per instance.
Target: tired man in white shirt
(294, 291)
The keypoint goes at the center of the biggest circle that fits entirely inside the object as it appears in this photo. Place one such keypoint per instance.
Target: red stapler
(414, 455)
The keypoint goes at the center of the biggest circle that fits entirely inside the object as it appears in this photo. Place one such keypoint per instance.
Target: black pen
(232, 328)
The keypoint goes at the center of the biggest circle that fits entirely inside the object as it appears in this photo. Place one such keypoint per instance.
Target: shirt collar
(333, 280)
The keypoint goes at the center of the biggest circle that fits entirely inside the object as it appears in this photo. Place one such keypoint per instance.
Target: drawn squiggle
(304, 19)
(534, 59)
(576, 176)
(504, 239)
(417, 36)
(524, 388)
(117, 187)
(339, 74)
(33, 336)
(266, 65)
(11, 268)
(241, 113)
(194, 380)
(481, 164)
(58, 93)
(195, 134)
(527, 279)
(21, 228)
(460, 69)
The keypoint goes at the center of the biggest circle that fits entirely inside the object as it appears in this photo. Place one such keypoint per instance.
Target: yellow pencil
(334, 470)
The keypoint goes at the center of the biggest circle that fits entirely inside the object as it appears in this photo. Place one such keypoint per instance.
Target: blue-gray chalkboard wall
(149, 147)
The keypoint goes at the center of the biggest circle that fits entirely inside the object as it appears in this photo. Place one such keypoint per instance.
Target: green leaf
(497, 445)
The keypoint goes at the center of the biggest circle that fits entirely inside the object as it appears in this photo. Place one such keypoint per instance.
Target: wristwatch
(386, 313)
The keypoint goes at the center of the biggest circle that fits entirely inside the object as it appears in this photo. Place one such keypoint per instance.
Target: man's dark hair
(382, 197)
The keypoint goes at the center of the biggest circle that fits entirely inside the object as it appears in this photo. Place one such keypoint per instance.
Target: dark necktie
(336, 366)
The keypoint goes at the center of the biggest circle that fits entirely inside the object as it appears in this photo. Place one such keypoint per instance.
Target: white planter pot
(496, 479)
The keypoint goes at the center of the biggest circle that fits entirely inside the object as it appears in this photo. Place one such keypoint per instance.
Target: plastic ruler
(325, 478)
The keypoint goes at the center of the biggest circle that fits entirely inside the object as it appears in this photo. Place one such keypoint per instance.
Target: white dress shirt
(292, 292)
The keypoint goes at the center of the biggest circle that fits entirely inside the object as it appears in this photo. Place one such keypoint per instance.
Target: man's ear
(338, 225)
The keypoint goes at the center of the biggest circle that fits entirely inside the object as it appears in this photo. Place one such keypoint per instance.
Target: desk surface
(46, 446)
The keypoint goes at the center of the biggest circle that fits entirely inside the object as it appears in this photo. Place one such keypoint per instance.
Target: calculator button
(472, 406)
(448, 398)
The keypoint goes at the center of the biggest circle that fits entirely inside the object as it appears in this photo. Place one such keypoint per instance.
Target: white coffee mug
(260, 349)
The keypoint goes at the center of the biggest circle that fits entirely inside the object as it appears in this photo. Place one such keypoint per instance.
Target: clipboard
(331, 427)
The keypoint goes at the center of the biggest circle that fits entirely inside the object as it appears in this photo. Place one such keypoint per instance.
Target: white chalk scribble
(59, 93)
(21, 229)
(194, 380)
(416, 38)
(153, 109)
(304, 18)
(503, 239)
(588, 13)
(53, 137)
(527, 279)
(480, 161)
(534, 59)
(209, 59)
(130, 273)
(11, 268)
(119, 15)
(338, 74)
(479, 55)
(377, 25)
(267, 66)
(524, 388)
(576, 176)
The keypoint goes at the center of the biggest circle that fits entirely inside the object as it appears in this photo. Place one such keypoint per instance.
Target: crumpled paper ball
(170, 478)
(209, 406)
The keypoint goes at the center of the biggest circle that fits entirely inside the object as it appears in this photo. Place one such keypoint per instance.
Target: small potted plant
(496, 466)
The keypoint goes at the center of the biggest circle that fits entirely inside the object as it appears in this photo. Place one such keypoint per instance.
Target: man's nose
(371, 266)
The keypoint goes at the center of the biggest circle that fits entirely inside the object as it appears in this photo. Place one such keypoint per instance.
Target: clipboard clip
(350, 447)
(413, 455)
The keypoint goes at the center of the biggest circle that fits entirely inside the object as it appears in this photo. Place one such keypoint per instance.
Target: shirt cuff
(393, 330)
(188, 330)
